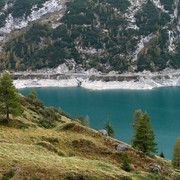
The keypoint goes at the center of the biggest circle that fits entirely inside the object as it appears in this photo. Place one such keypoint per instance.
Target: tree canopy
(109, 128)
(144, 136)
(176, 154)
(9, 99)
(137, 117)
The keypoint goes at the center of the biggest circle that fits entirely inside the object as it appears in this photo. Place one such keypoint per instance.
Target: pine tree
(144, 136)
(176, 154)
(109, 129)
(162, 155)
(9, 100)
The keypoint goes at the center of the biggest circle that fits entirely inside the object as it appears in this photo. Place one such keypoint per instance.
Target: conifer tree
(33, 95)
(137, 117)
(29, 50)
(9, 100)
(109, 129)
(162, 155)
(176, 154)
(144, 136)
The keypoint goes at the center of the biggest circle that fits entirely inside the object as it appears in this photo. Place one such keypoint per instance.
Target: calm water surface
(162, 104)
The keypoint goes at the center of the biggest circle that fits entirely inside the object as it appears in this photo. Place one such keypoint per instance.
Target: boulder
(121, 147)
(103, 132)
(155, 168)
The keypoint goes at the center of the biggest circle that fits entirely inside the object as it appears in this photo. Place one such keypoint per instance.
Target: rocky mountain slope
(120, 35)
(45, 143)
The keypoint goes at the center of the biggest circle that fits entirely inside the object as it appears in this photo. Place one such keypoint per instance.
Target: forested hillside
(120, 35)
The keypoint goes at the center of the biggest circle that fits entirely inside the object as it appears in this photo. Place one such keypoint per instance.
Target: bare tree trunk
(7, 113)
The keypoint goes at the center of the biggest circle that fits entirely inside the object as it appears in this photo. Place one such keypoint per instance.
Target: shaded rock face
(103, 132)
(155, 168)
(121, 147)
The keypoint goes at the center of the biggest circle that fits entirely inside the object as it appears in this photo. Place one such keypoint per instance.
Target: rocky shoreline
(61, 77)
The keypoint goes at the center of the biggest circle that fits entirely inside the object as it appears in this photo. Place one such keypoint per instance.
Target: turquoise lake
(162, 104)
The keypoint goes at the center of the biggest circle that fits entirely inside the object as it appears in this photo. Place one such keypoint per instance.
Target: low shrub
(126, 166)
(65, 114)
(121, 156)
(67, 126)
(8, 175)
(50, 147)
(22, 125)
(71, 154)
(60, 153)
(152, 156)
(47, 123)
(125, 178)
(50, 112)
(47, 145)
(82, 143)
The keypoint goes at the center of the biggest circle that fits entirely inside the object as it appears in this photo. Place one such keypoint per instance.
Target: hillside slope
(44, 144)
(120, 35)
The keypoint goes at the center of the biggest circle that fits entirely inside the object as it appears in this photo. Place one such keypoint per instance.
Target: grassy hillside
(43, 143)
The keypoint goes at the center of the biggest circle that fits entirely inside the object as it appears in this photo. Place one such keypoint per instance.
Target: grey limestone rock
(103, 132)
(155, 168)
(121, 147)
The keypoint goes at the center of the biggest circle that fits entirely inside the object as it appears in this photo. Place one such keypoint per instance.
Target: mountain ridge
(107, 35)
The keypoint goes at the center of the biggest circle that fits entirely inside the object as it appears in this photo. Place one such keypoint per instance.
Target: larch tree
(86, 121)
(33, 95)
(137, 117)
(109, 129)
(144, 136)
(9, 99)
(176, 154)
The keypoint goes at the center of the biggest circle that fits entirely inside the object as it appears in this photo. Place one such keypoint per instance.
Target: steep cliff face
(121, 35)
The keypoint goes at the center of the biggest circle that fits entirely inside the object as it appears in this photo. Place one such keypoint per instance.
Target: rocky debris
(140, 46)
(121, 147)
(103, 132)
(22, 22)
(155, 168)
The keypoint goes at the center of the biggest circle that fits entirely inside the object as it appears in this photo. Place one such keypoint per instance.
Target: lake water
(162, 104)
